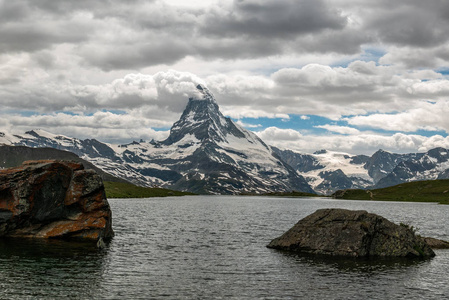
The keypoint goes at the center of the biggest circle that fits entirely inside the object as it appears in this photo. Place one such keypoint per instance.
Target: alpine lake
(214, 247)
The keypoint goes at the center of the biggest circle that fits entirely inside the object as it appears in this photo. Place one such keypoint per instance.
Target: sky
(344, 75)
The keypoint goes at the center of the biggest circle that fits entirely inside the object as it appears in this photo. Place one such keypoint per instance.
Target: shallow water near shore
(213, 247)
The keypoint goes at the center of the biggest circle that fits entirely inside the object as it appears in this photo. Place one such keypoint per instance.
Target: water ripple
(214, 248)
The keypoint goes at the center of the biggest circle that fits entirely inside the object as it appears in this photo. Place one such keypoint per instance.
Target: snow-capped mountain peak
(8, 139)
(205, 94)
(225, 155)
(203, 119)
(327, 171)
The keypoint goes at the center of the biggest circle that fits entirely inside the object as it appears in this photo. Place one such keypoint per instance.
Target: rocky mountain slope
(328, 171)
(433, 164)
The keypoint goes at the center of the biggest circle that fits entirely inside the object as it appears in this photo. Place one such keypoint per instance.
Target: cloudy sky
(346, 75)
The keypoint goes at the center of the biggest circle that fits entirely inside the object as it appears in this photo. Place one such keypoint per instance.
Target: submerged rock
(344, 232)
(53, 199)
(436, 243)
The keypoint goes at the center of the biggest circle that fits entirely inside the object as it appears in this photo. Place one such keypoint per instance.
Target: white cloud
(339, 129)
(424, 116)
(356, 144)
(246, 125)
(358, 89)
(104, 126)
(168, 90)
(412, 57)
(280, 135)
(433, 142)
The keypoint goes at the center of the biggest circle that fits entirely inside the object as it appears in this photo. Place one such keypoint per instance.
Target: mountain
(433, 164)
(208, 153)
(381, 163)
(329, 171)
(301, 162)
(205, 153)
(203, 119)
(13, 156)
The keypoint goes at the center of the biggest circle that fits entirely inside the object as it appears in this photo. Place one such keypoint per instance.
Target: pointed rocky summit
(225, 158)
(203, 120)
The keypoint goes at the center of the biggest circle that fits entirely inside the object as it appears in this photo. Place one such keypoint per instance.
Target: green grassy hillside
(128, 190)
(417, 191)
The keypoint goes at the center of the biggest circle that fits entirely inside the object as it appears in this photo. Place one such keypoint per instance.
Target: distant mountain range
(208, 153)
(328, 171)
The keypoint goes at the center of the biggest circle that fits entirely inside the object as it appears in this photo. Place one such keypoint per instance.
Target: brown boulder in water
(436, 243)
(53, 199)
(344, 232)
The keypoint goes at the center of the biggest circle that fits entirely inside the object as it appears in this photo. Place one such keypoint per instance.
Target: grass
(417, 191)
(128, 190)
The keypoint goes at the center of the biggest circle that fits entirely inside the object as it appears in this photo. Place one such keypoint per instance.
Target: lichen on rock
(53, 199)
(342, 232)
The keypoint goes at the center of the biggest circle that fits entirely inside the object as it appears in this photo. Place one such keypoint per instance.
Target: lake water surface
(213, 247)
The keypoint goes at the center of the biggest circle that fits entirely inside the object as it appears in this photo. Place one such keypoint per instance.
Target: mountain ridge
(329, 171)
(208, 153)
(126, 161)
(205, 153)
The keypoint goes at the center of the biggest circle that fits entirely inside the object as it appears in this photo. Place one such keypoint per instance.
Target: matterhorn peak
(203, 94)
(202, 118)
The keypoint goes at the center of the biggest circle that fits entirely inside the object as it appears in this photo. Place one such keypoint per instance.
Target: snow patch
(8, 139)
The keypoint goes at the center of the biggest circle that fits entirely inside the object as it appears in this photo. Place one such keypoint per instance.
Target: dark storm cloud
(234, 48)
(12, 10)
(347, 42)
(410, 23)
(28, 25)
(63, 7)
(24, 27)
(32, 37)
(273, 19)
(135, 34)
(166, 34)
(126, 56)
